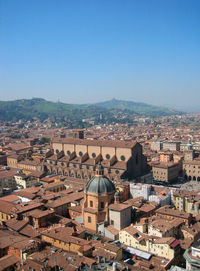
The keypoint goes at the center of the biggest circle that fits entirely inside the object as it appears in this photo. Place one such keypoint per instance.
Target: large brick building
(78, 157)
(191, 166)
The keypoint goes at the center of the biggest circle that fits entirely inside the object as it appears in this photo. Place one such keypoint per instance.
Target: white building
(159, 194)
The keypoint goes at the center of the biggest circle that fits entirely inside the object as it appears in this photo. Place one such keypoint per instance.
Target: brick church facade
(78, 157)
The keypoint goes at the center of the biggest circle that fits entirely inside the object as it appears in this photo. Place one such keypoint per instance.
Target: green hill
(139, 108)
(27, 109)
(105, 112)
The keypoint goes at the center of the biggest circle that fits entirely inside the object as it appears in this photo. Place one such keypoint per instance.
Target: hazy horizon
(91, 51)
(186, 109)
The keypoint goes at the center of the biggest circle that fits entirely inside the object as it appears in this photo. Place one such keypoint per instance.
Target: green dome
(100, 185)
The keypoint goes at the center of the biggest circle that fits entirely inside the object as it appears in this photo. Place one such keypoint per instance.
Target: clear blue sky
(94, 50)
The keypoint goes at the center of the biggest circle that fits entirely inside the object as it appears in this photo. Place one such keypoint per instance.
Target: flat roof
(139, 253)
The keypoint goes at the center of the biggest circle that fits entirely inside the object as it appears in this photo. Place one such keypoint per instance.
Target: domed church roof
(100, 184)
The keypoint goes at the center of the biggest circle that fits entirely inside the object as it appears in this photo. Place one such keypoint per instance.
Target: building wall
(73, 214)
(148, 245)
(92, 224)
(165, 174)
(156, 146)
(120, 219)
(12, 162)
(132, 157)
(139, 191)
(164, 200)
(4, 217)
(191, 170)
(172, 146)
(165, 158)
(156, 232)
(16, 252)
(186, 205)
(109, 235)
(68, 246)
(98, 214)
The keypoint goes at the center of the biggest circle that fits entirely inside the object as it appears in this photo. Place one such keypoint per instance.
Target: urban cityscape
(100, 135)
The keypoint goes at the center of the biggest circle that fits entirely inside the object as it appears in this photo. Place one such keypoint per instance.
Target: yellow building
(107, 251)
(63, 238)
(167, 247)
(187, 201)
(6, 209)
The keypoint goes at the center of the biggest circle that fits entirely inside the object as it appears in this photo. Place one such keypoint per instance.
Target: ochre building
(99, 193)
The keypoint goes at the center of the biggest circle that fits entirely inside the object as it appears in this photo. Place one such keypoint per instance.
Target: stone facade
(166, 172)
(191, 167)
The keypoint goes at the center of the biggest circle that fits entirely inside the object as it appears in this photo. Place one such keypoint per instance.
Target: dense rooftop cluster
(118, 197)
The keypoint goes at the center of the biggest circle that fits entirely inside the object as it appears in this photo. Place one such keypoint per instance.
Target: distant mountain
(188, 108)
(139, 108)
(75, 115)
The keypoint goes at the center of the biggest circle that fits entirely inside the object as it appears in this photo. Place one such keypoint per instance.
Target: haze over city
(91, 51)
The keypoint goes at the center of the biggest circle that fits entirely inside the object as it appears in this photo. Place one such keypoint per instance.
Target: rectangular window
(91, 203)
(89, 219)
(102, 205)
(112, 222)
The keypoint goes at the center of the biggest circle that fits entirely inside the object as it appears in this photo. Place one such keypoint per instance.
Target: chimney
(98, 259)
(135, 257)
(117, 197)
